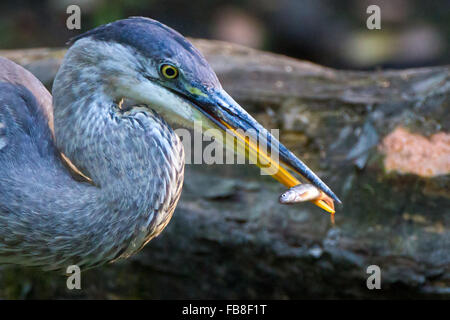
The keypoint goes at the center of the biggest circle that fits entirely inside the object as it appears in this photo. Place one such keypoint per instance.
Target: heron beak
(261, 147)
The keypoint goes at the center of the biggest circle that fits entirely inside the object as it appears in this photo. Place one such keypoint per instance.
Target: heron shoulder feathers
(23, 122)
(26, 114)
(12, 73)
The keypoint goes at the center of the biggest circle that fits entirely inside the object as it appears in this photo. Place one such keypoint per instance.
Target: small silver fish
(301, 193)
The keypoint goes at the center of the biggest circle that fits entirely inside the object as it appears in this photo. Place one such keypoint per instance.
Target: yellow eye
(169, 71)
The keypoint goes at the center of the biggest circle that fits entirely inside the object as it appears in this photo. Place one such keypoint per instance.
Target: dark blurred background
(333, 33)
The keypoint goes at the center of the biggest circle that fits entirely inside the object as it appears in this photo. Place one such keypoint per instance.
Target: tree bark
(229, 237)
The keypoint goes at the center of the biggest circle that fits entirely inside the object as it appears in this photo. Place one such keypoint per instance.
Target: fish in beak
(259, 145)
(304, 192)
(187, 104)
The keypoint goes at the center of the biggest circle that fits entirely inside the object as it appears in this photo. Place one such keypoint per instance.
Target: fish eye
(169, 71)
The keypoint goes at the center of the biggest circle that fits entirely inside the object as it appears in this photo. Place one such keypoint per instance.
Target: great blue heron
(132, 157)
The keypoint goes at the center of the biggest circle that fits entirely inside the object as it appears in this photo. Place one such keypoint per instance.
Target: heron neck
(133, 157)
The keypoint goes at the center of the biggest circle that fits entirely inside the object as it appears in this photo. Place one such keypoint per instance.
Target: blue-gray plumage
(49, 219)
(132, 158)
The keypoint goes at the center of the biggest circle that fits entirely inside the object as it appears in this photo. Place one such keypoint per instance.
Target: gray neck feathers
(134, 159)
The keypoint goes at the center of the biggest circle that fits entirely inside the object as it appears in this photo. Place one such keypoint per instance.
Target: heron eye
(169, 71)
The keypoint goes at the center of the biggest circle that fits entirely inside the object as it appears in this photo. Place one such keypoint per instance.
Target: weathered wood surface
(229, 237)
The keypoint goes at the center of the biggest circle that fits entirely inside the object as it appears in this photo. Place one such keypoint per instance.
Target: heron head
(145, 61)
